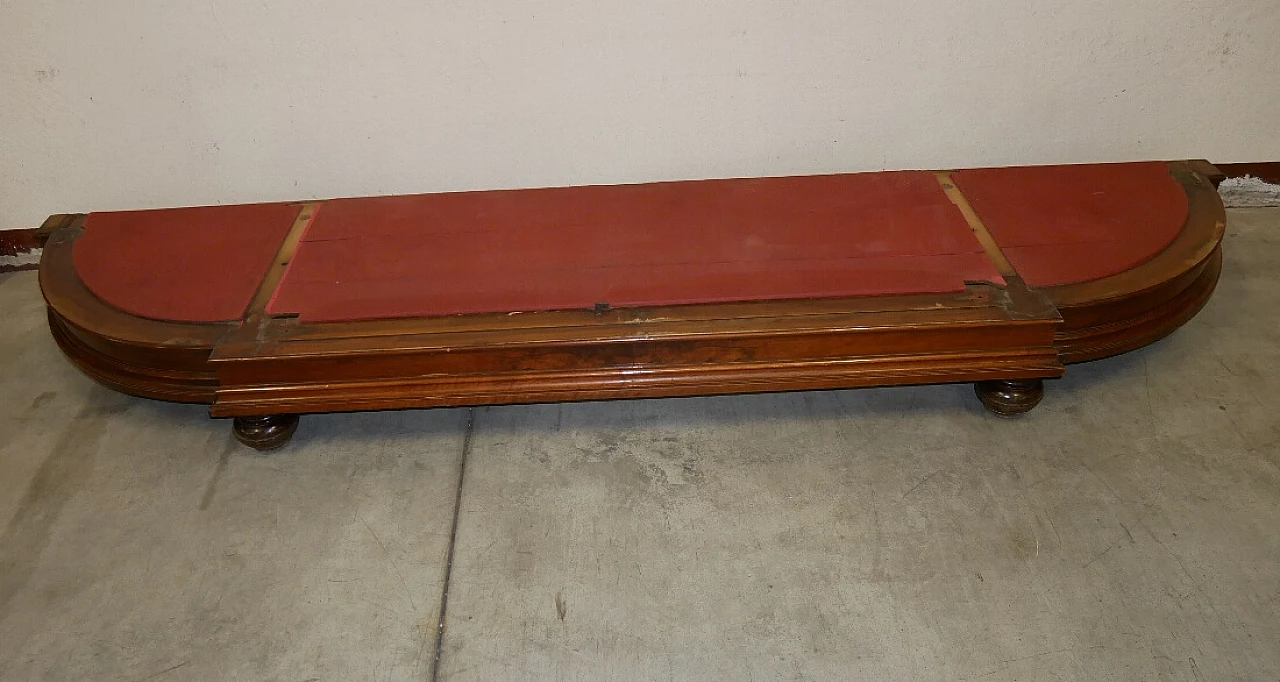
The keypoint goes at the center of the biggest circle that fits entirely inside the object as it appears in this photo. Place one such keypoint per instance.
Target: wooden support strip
(975, 223)
(257, 324)
(306, 213)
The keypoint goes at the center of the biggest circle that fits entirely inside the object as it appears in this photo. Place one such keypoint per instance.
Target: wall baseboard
(19, 250)
(1266, 171)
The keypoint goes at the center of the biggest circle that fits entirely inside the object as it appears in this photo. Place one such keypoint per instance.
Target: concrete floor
(1127, 529)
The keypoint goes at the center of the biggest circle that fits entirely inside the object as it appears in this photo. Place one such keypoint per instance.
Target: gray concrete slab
(1123, 530)
(138, 540)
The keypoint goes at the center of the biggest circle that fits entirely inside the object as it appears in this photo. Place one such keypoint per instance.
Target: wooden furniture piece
(994, 276)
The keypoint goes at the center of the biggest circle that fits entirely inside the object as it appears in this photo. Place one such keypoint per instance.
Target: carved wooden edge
(677, 350)
(713, 363)
(1135, 308)
(148, 358)
(606, 384)
(146, 379)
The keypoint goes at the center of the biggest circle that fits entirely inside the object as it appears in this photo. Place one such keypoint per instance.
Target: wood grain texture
(657, 358)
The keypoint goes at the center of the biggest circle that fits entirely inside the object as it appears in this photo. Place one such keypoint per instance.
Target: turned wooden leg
(1010, 397)
(267, 432)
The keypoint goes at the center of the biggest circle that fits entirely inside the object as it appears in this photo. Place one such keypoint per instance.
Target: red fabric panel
(631, 245)
(1068, 224)
(183, 264)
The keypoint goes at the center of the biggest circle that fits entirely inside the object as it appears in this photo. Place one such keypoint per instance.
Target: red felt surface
(183, 264)
(1068, 224)
(631, 245)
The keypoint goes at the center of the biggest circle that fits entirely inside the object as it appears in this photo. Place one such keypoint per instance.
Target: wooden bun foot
(267, 432)
(1010, 398)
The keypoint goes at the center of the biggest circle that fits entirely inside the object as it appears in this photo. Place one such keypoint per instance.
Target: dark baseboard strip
(1267, 171)
(14, 243)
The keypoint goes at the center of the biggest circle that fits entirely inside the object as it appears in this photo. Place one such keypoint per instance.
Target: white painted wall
(109, 104)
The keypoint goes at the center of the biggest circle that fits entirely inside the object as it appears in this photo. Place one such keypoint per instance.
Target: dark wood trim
(15, 242)
(1267, 171)
(663, 356)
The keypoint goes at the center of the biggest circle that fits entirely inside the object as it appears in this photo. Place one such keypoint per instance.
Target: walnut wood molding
(1004, 339)
(695, 350)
